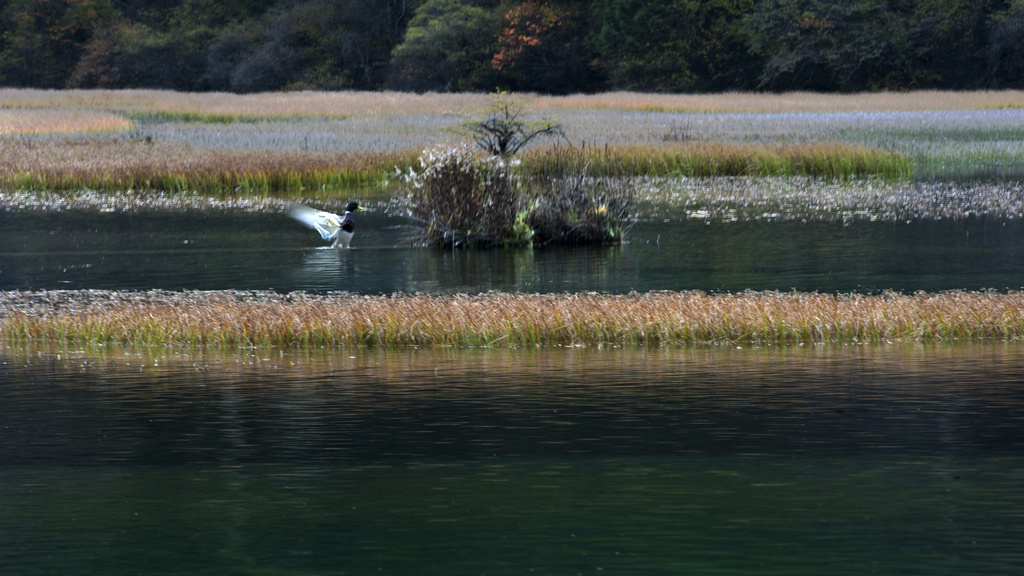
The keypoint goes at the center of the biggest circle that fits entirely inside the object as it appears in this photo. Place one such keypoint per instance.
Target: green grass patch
(278, 182)
(695, 160)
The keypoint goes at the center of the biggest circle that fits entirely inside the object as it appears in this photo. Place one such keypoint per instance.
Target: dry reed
(791, 101)
(372, 103)
(69, 164)
(268, 104)
(17, 122)
(230, 319)
(923, 134)
(137, 164)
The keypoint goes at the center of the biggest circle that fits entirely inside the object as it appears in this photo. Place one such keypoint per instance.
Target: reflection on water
(225, 249)
(899, 459)
(380, 406)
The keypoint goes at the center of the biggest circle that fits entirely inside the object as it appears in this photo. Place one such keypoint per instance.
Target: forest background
(553, 47)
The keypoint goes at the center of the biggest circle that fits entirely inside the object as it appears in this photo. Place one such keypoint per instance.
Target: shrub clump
(461, 199)
(572, 207)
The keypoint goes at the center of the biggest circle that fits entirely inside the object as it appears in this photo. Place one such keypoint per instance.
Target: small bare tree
(504, 129)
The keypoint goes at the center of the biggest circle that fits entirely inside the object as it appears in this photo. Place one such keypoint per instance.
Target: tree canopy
(547, 46)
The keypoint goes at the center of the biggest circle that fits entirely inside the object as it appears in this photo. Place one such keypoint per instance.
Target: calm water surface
(240, 250)
(892, 460)
(819, 460)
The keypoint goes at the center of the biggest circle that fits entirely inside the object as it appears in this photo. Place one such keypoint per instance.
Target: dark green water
(220, 250)
(892, 460)
(818, 461)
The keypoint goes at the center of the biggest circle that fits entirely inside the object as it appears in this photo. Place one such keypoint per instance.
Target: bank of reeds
(713, 159)
(70, 164)
(300, 320)
(811, 102)
(350, 102)
(137, 164)
(60, 121)
(946, 134)
(194, 117)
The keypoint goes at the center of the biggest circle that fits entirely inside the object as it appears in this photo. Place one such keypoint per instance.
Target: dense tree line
(549, 46)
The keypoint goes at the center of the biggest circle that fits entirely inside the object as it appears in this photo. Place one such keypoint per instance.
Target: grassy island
(229, 319)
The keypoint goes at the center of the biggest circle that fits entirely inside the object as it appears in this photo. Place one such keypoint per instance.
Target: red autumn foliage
(528, 26)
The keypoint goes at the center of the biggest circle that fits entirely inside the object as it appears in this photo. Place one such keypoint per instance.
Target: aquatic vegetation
(59, 121)
(789, 101)
(347, 102)
(175, 116)
(722, 157)
(711, 199)
(813, 199)
(136, 201)
(932, 145)
(921, 138)
(230, 319)
(462, 199)
(278, 104)
(69, 164)
(572, 202)
(705, 159)
(940, 134)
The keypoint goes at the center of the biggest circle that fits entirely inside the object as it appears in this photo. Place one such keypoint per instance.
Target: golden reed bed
(231, 319)
(134, 164)
(379, 103)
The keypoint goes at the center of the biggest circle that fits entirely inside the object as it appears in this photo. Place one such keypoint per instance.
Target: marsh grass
(789, 101)
(58, 121)
(812, 199)
(69, 164)
(710, 199)
(962, 134)
(180, 116)
(923, 135)
(136, 164)
(326, 103)
(740, 145)
(704, 159)
(231, 320)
